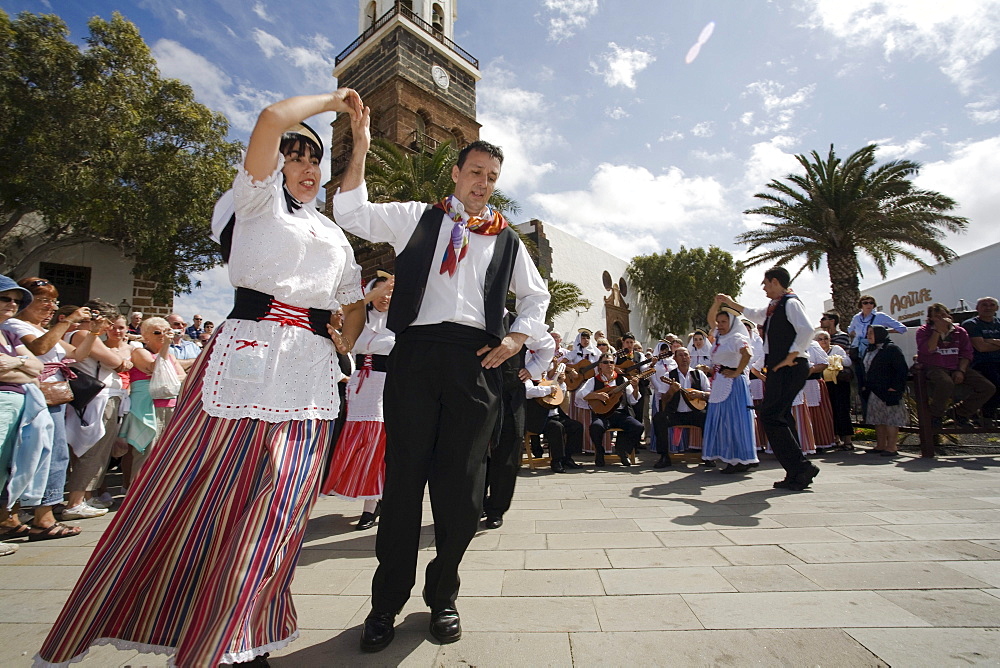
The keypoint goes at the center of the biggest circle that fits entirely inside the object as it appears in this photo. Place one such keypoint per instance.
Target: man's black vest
(415, 263)
(675, 375)
(778, 333)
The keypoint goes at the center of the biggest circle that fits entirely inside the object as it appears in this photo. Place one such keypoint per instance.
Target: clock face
(440, 76)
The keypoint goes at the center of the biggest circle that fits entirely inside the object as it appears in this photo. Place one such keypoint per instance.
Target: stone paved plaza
(884, 562)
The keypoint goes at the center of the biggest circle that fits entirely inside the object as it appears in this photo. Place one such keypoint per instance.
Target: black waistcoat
(415, 263)
(675, 374)
(778, 333)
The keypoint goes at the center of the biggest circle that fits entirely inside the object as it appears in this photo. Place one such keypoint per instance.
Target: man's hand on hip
(509, 346)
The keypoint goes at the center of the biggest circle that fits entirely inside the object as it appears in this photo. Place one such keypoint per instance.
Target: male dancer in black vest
(787, 334)
(455, 262)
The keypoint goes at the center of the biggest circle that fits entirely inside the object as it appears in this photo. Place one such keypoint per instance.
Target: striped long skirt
(822, 419)
(199, 560)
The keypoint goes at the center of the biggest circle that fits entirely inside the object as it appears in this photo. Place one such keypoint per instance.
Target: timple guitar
(602, 406)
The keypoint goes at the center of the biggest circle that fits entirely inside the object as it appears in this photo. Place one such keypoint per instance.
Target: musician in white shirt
(676, 389)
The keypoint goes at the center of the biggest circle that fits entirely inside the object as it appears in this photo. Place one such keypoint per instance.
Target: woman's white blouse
(728, 349)
(266, 370)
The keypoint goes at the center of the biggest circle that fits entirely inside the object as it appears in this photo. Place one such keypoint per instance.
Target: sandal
(57, 530)
(20, 531)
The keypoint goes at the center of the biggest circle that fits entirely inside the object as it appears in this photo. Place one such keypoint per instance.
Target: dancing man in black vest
(678, 388)
(787, 334)
(455, 262)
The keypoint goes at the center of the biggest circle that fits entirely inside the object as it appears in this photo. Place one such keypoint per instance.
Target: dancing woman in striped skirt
(199, 559)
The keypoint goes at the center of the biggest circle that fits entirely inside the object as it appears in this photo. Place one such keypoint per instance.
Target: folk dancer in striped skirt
(198, 561)
(817, 398)
(358, 467)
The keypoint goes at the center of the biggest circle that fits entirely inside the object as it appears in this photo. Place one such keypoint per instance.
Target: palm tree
(839, 208)
(564, 296)
(395, 175)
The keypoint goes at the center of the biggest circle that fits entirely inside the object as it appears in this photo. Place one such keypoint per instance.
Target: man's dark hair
(833, 316)
(479, 145)
(628, 335)
(780, 273)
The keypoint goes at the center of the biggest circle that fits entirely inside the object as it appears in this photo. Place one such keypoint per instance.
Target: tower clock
(420, 84)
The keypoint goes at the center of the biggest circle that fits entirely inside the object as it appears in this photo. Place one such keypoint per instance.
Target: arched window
(437, 18)
(459, 139)
(423, 120)
(371, 14)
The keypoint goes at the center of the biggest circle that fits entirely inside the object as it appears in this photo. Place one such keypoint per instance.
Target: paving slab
(794, 610)
(766, 578)
(956, 607)
(891, 575)
(932, 647)
(792, 648)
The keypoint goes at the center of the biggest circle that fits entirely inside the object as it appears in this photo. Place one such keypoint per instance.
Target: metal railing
(416, 20)
(418, 140)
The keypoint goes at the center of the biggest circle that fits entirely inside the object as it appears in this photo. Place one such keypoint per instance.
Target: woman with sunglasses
(34, 326)
(865, 318)
(18, 370)
(147, 417)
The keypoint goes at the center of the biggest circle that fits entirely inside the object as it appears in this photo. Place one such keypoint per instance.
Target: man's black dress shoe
(570, 464)
(446, 625)
(557, 466)
(599, 460)
(494, 522)
(625, 460)
(663, 462)
(378, 631)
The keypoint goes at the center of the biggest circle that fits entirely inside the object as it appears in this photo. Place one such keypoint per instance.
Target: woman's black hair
(293, 142)
(378, 281)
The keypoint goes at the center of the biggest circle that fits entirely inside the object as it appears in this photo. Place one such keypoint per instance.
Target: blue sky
(609, 133)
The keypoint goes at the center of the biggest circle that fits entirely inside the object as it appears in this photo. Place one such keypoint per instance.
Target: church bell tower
(420, 84)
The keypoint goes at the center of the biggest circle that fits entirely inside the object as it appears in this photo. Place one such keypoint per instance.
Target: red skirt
(822, 419)
(358, 467)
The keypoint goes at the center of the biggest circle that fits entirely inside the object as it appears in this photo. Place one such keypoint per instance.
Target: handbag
(164, 383)
(85, 387)
(57, 393)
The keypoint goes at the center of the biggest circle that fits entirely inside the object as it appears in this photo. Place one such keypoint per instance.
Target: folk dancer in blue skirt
(729, 433)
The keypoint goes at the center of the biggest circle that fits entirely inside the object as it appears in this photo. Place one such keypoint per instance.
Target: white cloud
(617, 113)
(213, 300)
(620, 65)
(180, 14)
(779, 110)
(261, 11)
(968, 176)
(566, 17)
(673, 136)
(629, 211)
(723, 155)
(957, 35)
(768, 160)
(703, 129)
(887, 150)
(515, 119)
(315, 60)
(984, 111)
(212, 86)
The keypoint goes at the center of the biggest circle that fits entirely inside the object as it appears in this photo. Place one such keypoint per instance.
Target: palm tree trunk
(844, 283)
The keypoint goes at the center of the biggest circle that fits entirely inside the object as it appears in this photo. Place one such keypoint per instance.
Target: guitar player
(618, 417)
(680, 388)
